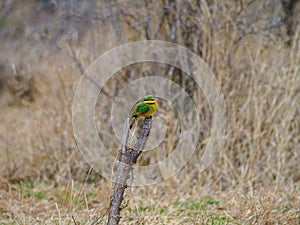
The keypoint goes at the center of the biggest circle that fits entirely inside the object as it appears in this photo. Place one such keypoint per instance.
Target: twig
(75, 58)
(74, 220)
(87, 207)
(128, 157)
(59, 217)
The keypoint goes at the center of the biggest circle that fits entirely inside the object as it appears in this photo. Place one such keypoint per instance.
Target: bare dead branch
(128, 157)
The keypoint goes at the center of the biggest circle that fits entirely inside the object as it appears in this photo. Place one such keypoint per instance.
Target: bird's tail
(133, 119)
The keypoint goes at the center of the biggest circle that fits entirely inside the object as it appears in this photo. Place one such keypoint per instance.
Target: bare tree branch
(128, 158)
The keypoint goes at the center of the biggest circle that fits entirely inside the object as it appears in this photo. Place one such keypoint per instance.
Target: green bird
(144, 108)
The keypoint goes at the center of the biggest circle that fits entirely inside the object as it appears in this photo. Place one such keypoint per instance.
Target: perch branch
(128, 157)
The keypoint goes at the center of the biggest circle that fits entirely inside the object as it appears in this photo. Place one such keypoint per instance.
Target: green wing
(140, 109)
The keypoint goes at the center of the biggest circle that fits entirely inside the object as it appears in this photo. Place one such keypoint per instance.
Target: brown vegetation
(47, 45)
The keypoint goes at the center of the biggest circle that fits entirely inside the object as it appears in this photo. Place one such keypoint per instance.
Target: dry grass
(45, 203)
(254, 180)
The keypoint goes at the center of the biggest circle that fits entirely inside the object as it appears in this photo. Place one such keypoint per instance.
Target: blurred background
(252, 47)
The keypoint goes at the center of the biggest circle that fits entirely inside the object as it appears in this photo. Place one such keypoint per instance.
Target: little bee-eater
(144, 108)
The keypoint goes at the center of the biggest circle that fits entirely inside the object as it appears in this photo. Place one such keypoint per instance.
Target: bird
(145, 108)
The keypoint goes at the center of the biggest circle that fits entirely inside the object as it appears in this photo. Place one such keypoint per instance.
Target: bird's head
(148, 98)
